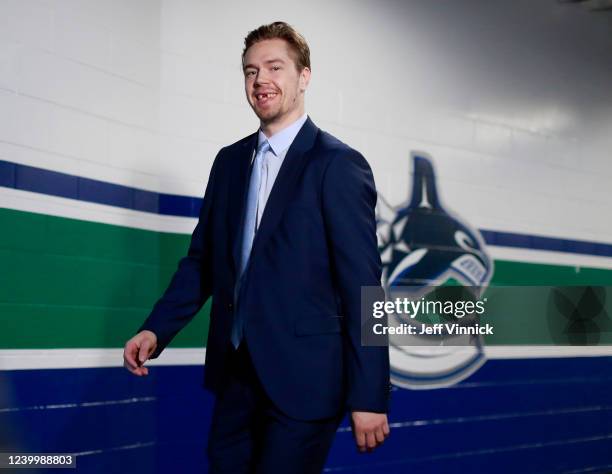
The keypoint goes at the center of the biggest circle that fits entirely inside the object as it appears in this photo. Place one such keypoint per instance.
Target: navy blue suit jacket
(315, 248)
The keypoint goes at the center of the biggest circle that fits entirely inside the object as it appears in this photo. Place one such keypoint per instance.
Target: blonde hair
(282, 30)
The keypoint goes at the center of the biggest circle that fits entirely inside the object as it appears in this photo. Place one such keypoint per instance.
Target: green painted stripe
(528, 316)
(55, 326)
(39, 233)
(67, 283)
(537, 274)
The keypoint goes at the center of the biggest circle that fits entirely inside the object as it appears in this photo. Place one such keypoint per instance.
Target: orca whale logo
(423, 245)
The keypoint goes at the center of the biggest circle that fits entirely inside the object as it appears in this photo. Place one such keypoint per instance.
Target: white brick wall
(508, 100)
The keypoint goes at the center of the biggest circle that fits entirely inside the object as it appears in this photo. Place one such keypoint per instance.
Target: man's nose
(261, 77)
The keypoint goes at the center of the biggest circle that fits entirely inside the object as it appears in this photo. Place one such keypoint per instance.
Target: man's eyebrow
(269, 61)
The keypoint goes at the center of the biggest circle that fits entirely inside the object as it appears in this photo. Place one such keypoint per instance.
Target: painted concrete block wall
(509, 99)
(145, 93)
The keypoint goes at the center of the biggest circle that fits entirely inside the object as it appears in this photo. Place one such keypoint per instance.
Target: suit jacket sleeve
(191, 284)
(349, 201)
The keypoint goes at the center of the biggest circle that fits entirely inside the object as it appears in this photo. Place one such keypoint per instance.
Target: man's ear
(304, 79)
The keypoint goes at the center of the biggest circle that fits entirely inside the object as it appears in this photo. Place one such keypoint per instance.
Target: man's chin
(266, 117)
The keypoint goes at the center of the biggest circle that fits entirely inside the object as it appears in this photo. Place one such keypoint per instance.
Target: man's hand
(137, 350)
(369, 429)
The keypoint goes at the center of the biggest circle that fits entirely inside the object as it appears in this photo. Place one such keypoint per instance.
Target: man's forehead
(267, 50)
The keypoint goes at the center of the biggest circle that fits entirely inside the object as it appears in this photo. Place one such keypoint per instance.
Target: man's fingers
(142, 371)
(360, 439)
(137, 351)
(137, 370)
(143, 354)
(370, 441)
(379, 435)
(129, 354)
(370, 429)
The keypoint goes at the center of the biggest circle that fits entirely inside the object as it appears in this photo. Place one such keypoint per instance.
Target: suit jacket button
(230, 307)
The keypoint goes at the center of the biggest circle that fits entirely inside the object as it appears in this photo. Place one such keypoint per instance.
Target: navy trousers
(248, 434)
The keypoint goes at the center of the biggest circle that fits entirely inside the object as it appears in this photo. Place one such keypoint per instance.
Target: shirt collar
(283, 139)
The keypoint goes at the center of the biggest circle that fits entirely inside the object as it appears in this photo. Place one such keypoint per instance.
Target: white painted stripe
(64, 406)
(549, 257)
(88, 211)
(27, 359)
(125, 447)
(73, 209)
(538, 352)
(493, 417)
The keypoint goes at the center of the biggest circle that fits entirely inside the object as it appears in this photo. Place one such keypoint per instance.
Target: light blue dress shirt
(273, 159)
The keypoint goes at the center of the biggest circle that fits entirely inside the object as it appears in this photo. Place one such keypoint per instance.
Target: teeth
(261, 96)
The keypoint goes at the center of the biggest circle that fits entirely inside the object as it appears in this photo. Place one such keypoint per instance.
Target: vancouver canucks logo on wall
(423, 244)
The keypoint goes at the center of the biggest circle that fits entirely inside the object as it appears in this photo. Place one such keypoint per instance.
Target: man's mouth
(264, 97)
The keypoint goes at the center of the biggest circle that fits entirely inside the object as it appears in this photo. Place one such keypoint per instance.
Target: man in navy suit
(285, 240)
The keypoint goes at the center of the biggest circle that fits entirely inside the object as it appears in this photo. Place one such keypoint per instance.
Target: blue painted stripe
(39, 180)
(53, 183)
(528, 416)
(537, 242)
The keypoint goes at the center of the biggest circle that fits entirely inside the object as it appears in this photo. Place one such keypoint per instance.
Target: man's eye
(249, 73)
(276, 68)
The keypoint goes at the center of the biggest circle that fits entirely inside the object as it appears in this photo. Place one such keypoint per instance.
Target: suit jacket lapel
(292, 166)
(291, 169)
